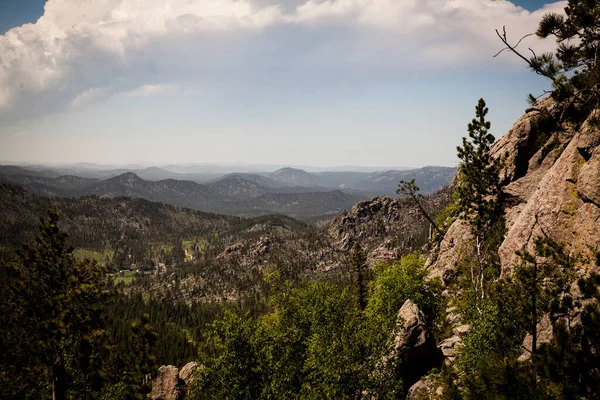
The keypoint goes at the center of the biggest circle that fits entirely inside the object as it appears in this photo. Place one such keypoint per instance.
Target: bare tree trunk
(422, 209)
(534, 327)
(478, 283)
(59, 384)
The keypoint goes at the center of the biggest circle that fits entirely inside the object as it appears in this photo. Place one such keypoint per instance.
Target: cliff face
(552, 188)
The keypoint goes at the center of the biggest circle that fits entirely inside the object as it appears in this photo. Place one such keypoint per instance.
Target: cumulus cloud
(82, 51)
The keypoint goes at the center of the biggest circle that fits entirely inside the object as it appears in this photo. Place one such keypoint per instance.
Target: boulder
(414, 344)
(424, 389)
(166, 384)
(186, 374)
(456, 244)
(412, 333)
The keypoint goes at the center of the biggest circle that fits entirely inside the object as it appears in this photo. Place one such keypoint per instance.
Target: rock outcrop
(171, 383)
(425, 389)
(552, 187)
(384, 227)
(166, 385)
(413, 344)
(545, 332)
(186, 374)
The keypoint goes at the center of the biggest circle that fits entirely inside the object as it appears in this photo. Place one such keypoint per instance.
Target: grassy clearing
(190, 244)
(101, 258)
(124, 277)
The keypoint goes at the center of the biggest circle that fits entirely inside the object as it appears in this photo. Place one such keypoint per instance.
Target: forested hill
(123, 232)
(136, 234)
(96, 223)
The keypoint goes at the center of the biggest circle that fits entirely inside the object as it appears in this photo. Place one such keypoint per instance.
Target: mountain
(136, 233)
(430, 179)
(10, 170)
(236, 187)
(240, 194)
(289, 191)
(286, 180)
(53, 187)
(97, 223)
(294, 177)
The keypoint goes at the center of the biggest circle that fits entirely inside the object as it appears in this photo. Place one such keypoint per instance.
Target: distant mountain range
(289, 191)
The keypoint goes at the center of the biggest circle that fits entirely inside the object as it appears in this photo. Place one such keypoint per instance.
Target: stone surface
(412, 333)
(457, 243)
(552, 188)
(186, 374)
(166, 384)
(544, 335)
(385, 228)
(414, 343)
(424, 389)
(588, 180)
(449, 347)
(558, 207)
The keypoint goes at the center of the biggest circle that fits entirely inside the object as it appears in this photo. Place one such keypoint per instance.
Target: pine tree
(359, 266)
(573, 68)
(541, 277)
(479, 192)
(50, 315)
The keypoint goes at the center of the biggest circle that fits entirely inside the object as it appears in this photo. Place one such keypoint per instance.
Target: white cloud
(81, 51)
(90, 96)
(150, 90)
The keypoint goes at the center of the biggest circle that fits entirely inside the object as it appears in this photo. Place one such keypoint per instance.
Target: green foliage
(50, 316)
(480, 202)
(479, 175)
(396, 283)
(305, 347)
(314, 342)
(448, 215)
(573, 68)
(541, 277)
(128, 361)
(488, 360)
(233, 372)
(570, 364)
(56, 336)
(359, 271)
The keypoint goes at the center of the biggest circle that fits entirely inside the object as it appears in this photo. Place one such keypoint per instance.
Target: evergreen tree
(479, 194)
(359, 267)
(50, 316)
(573, 68)
(540, 278)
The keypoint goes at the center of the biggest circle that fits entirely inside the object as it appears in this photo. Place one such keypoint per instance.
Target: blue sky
(293, 82)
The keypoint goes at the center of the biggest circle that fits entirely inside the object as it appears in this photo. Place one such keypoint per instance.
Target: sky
(286, 82)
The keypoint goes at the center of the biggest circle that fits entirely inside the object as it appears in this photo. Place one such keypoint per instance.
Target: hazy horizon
(230, 167)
